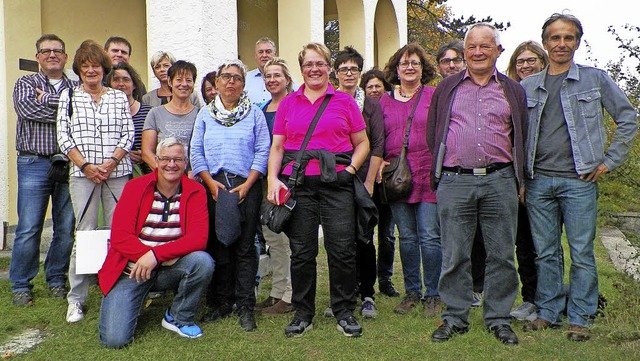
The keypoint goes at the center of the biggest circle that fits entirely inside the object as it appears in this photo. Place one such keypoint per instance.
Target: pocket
(589, 103)
(25, 160)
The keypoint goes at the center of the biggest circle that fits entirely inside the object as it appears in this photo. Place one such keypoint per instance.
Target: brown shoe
(280, 308)
(578, 333)
(432, 306)
(268, 302)
(536, 325)
(409, 301)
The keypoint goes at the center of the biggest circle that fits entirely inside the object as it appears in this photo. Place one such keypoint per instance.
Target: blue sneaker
(188, 331)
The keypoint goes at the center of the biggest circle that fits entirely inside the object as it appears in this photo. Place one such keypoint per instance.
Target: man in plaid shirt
(35, 99)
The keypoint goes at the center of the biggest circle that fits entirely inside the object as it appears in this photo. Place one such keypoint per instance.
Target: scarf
(229, 117)
(360, 98)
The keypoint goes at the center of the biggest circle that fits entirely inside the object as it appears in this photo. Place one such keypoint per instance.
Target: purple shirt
(480, 127)
(419, 157)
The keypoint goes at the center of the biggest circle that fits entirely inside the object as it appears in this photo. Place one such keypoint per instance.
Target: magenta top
(340, 119)
(419, 157)
(480, 127)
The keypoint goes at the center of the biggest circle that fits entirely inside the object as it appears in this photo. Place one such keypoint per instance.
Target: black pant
(234, 277)
(332, 206)
(386, 240)
(526, 255)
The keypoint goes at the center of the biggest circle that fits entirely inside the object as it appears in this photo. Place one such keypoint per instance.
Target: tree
(430, 23)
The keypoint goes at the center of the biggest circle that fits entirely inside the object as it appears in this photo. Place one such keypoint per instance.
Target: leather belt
(478, 171)
(28, 154)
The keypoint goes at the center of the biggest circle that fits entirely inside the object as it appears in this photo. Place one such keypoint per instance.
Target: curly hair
(391, 69)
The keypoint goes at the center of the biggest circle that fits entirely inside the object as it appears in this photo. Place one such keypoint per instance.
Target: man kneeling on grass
(158, 235)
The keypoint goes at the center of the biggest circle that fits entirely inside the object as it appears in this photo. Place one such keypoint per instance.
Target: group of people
(499, 165)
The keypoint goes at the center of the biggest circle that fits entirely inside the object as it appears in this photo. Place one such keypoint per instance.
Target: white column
(4, 151)
(203, 32)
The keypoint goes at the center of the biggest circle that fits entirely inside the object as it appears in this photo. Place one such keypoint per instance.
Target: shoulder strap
(312, 127)
(70, 108)
(405, 143)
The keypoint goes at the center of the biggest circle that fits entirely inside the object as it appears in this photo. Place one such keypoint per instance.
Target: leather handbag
(396, 177)
(276, 216)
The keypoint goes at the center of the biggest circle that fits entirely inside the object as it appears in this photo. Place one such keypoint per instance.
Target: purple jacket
(439, 115)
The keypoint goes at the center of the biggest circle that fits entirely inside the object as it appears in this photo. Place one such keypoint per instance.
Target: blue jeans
(34, 190)
(552, 201)
(188, 278)
(464, 202)
(419, 235)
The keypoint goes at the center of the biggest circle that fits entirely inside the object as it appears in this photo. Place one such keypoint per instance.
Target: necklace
(407, 96)
(95, 96)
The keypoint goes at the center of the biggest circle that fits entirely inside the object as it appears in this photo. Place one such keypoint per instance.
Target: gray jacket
(584, 94)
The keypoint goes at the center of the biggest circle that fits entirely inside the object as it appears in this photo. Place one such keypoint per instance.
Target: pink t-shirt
(340, 119)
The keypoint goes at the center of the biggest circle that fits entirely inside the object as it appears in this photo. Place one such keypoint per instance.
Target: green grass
(389, 337)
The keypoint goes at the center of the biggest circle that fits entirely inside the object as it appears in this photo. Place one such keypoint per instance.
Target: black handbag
(276, 216)
(396, 177)
(59, 168)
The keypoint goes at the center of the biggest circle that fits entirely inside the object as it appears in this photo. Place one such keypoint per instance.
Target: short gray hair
(496, 33)
(267, 40)
(159, 55)
(170, 142)
(235, 62)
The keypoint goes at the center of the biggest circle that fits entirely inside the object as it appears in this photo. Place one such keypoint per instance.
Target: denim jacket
(583, 95)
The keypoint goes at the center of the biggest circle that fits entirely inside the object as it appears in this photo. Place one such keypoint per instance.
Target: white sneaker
(75, 312)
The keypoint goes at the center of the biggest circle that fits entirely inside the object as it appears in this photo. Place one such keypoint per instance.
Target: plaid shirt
(96, 130)
(36, 126)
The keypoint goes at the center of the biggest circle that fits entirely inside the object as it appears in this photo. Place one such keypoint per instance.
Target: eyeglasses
(124, 79)
(447, 61)
(227, 77)
(47, 52)
(317, 64)
(167, 160)
(530, 61)
(345, 70)
(413, 63)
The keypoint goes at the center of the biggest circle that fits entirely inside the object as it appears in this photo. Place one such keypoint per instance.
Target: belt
(28, 154)
(478, 171)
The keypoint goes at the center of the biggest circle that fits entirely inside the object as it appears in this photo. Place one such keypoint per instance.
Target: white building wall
(211, 27)
(4, 151)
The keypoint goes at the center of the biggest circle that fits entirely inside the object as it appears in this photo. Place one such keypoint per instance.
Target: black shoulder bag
(276, 216)
(59, 168)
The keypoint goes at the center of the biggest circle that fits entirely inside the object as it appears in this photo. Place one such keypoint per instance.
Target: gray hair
(496, 33)
(266, 40)
(235, 62)
(170, 142)
(159, 55)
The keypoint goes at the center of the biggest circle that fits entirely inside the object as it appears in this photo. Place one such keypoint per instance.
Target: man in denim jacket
(565, 154)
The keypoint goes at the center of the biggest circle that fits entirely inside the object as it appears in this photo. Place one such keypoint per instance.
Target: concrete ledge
(623, 255)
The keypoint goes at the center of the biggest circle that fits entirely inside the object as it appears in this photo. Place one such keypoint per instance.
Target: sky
(527, 17)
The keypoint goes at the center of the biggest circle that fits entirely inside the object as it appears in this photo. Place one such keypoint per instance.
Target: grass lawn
(389, 337)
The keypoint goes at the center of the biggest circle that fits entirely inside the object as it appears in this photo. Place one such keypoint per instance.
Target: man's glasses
(167, 160)
(47, 52)
(447, 61)
(530, 61)
(345, 70)
(227, 77)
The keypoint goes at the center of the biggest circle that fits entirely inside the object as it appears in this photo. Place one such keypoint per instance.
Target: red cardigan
(129, 218)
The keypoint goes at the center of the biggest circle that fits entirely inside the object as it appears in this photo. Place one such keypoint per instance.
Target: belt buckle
(479, 171)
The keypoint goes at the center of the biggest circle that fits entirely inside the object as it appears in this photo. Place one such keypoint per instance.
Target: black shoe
(247, 320)
(387, 288)
(446, 331)
(297, 327)
(349, 327)
(59, 291)
(218, 313)
(505, 334)
(23, 298)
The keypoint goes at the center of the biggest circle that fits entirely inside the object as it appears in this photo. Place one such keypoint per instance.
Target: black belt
(478, 171)
(28, 154)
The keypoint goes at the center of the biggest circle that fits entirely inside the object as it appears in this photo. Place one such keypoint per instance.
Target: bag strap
(405, 143)
(307, 138)
(86, 206)
(70, 108)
